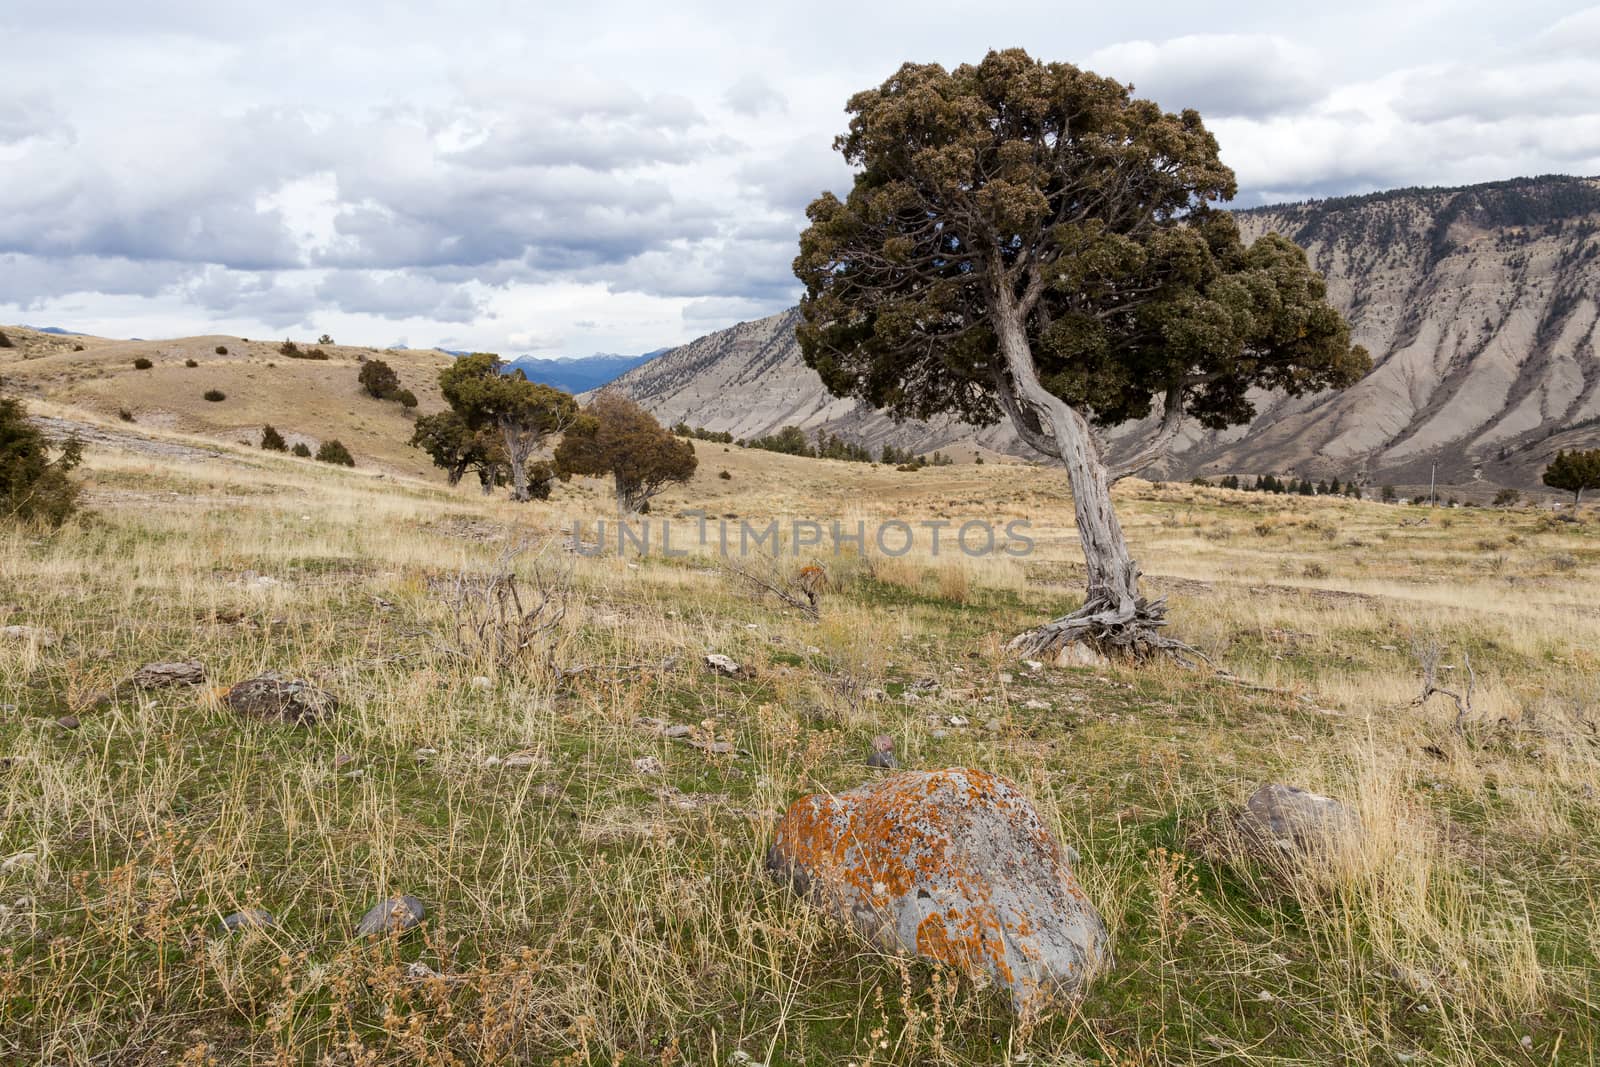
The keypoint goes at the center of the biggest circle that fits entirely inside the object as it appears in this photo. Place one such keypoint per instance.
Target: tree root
(1128, 630)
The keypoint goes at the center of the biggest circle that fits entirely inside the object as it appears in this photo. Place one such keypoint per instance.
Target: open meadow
(585, 820)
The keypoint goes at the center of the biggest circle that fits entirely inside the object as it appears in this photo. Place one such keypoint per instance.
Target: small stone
(720, 664)
(397, 914)
(1079, 654)
(482, 682)
(525, 760)
(68, 722)
(492, 761)
(423, 754)
(161, 675)
(36, 634)
(1037, 705)
(1033, 665)
(1526, 1041)
(677, 729)
(249, 919)
(960, 720)
(882, 755)
(647, 765)
(938, 735)
(1006, 678)
(19, 861)
(419, 970)
(994, 726)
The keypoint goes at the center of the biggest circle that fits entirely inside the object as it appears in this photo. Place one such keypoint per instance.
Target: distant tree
(302, 450)
(142, 364)
(460, 450)
(405, 398)
(791, 441)
(272, 440)
(378, 379)
(1573, 472)
(33, 483)
(1507, 498)
(615, 436)
(333, 451)
(5, 342)
(1388, 495)
(1025, 239)
(289, 348)
(522, 413)
(324, 340)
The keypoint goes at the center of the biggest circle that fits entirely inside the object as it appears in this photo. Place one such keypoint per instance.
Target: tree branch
(1155, 448)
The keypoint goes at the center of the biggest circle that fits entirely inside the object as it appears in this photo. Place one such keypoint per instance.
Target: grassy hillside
(306, 400)
(587, 906)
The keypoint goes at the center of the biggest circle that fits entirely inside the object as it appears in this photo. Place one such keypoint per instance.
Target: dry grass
(584, 911)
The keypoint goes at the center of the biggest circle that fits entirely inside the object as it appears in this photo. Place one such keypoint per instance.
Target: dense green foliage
(1574, 472)
(1087, 212)
(272, 440)
(378, 379)
(334, 451)
(520, 415)
(458, 449)
(34, 485)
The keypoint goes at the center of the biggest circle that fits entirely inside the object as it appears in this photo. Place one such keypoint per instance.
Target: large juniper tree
(1025, 239)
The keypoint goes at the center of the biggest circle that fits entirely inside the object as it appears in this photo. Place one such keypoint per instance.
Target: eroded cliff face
(1480, 306)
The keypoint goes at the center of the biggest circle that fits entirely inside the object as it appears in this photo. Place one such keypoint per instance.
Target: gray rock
(161, 675)
(1080, 654)
(720, 664)
(278, 699)
(248, 919)
(882, 755)
(1292, 819)
(395, 914)
(68, 722)
(954, 866)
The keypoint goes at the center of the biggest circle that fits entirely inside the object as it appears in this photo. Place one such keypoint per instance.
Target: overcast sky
(582, 177)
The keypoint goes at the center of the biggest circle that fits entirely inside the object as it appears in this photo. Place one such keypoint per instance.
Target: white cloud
(1218, 74)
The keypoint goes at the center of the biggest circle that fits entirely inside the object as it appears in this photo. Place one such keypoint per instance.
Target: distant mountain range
(579, 375)
(1480, 306)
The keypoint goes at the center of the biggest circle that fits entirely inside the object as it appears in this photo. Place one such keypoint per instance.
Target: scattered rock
(248, 919)
(960, 721)
(720, 664)
(994, 726)
(277, 699)
(647, 765)
(20, 861)
(716, 748)
(161, 675)
(418, 969)
(1033, 665)
(1080, 654)
(37, 634)
(68, 722)
(526, 761)
(1037, 705)
(882, 755)
(397, 914)
(1282, 821)
(482, 682)
(955, 866)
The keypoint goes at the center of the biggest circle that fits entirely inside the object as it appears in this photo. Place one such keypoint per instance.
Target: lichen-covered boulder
(278, 699)
(955, 866)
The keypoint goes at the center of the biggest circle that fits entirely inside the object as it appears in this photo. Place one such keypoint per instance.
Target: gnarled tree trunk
(1114, 617)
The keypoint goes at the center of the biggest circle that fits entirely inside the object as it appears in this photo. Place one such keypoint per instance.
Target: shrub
(314, 353)
(222, 350)
(272, 440)
(77, 348)
(125, 415)
(191, 363)
(405, 398)
(289, 348)
(541, 479)
(216, 396)
(32, 485)
(725, 476)
(378, 379)
(142, 364)
(1507, 498)
(5, 342)
(334, 452)
(301, 450)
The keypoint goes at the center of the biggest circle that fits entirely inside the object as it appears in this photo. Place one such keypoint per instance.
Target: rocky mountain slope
(1479, 305)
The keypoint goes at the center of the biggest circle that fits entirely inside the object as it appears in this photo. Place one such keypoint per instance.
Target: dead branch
(804, 601)
(1428, 652)
(501, 622)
